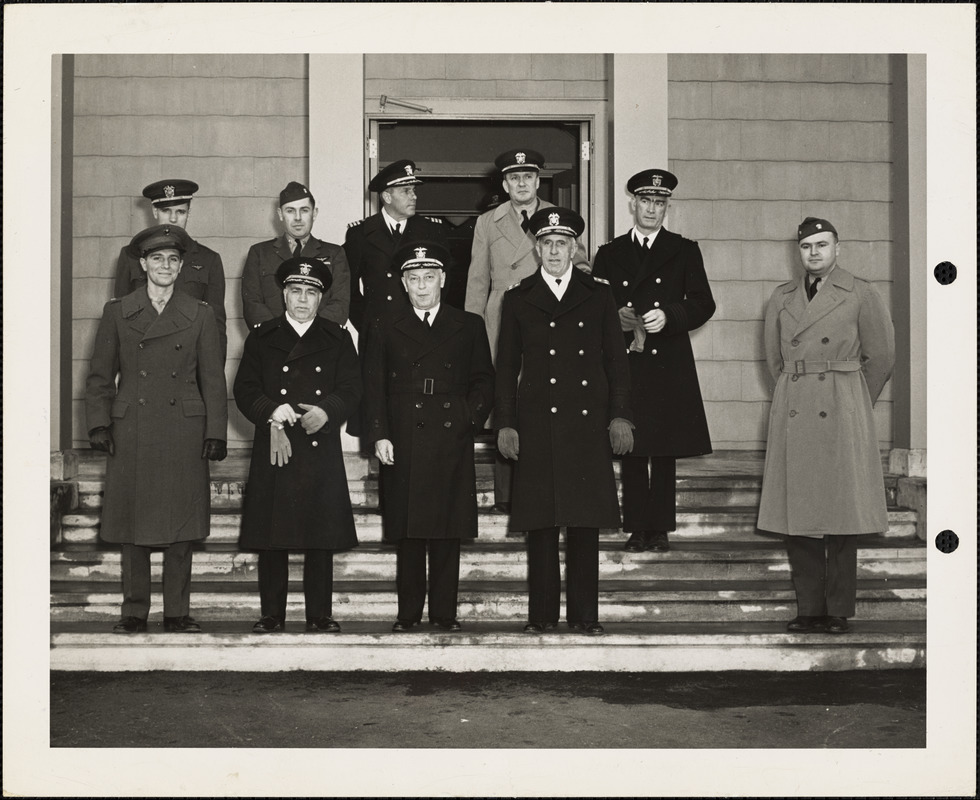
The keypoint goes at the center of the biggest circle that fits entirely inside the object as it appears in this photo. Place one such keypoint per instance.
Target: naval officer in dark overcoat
(371, 243)
(261, 293)
(160, 423)
(298, 382)
(662, 294)
(428, 388)
(202, 276)
(562, 411)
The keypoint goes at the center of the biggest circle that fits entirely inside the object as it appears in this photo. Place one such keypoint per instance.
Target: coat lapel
(664, 248)
(576, 293)
(540, 296)
(830, 294)
(505, 218)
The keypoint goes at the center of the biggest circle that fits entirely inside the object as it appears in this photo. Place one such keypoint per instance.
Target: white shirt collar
(559, 284)
(638, 237)
(391, 222)
(299, 327)
(420, 313)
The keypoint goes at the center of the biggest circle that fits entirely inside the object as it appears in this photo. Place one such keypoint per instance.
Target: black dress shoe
(540, 627)
(503, 508)
(804, 624)
(183, 624)
(322, 625)
(635, 543)
(588, 628)
(130, 625)
(450, 625)
(837, 625)
(401, 626)
(656, 541)
(269, 625)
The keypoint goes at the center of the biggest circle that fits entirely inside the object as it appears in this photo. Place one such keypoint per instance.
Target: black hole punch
(945, 273)
(947, 542)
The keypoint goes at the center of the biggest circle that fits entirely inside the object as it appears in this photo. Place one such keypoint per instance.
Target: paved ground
(865, 709)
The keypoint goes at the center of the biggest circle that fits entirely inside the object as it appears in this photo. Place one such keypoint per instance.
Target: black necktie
(425, 318)
(396, 233)
(525, 225)
(812, 289)
(298, 250)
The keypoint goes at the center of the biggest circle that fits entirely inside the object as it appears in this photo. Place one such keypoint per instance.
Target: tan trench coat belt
(804, 367)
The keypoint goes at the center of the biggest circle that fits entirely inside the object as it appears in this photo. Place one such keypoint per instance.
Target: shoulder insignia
(354, 223)
(198, 266)
(323, 260)
(513, 286)
(434, 219)
(202, 302)
(115, 299)
(600, 280)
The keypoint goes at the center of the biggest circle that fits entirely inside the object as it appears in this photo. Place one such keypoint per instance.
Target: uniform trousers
(177, 559)
(443, 579)
(503, 477)
(649, 493)
(824, 574)
(581, 574)
(317, 582)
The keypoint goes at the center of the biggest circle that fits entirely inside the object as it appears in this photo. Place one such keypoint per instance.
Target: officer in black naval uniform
(562, 419)
(202, 275)
(297, 382)
(156, 401)
(428, 388)
(371, 243)
(662, 293)
(261, 294)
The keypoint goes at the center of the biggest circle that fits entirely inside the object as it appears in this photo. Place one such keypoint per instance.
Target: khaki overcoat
(828, 360)
(171, 396)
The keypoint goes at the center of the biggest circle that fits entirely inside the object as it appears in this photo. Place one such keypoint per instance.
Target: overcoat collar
(644, 265)
(448, 322)
(505, 217)
(837, 286)
(539, 294)
(321, 336)
(283, 246)
(180, 312)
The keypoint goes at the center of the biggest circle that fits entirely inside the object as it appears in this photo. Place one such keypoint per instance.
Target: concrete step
(619, 600)
(496, 646)
(704, 524)
(715, 561)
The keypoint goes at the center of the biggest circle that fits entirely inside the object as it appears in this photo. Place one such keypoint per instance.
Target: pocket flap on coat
(119, 408)
(194, 407)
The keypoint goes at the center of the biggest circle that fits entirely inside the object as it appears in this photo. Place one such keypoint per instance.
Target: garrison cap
(652, 181)
(563, 221)
(295, 191)
(420, 254)
(160, 237)
(306, 271)
(812, 225)
(397, 173)
(170, 192)
(522, 160)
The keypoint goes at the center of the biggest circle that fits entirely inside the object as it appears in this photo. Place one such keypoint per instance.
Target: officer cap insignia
(420, 252)
(304, 269)
(420, 255)
(408, 169)
(168, 192)
(520, 158)
(554, 219)
(656, 180)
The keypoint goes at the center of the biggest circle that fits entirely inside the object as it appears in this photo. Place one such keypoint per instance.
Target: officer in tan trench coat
(830, 348)
(160, 426)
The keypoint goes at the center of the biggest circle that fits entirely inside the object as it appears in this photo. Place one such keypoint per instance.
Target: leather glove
(214, 449)
(508, 443)
(621, 436)
(101, 439)
(314, 418)
(285, 414)
(279, 447)
(385, 451)
(627, 319)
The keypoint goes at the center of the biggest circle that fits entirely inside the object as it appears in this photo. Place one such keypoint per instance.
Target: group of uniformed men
(578, 364)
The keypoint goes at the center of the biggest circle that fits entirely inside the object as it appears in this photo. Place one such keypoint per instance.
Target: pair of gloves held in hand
(101, 439)
(620, 437)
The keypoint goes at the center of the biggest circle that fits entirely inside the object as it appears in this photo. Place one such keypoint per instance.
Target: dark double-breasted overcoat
(428, 389)
(262, 296)
(304, 504)
(369, 246)
(202, 277)
(828, 360)
(171, 396)
(574, 380)
(666, 395)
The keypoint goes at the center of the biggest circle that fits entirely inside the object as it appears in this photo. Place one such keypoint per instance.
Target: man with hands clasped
(298, 381)
(662, 293)
(562, 410)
